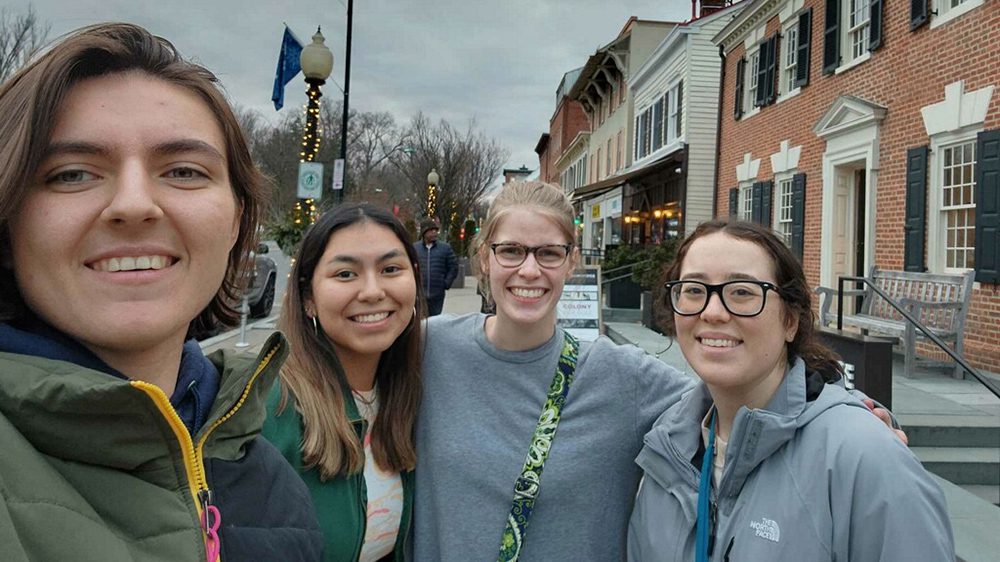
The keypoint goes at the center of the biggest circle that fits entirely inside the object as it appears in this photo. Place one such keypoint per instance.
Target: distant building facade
(869, 135)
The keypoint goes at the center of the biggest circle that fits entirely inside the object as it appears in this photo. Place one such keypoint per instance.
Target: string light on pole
(432, 182)
(317, 63)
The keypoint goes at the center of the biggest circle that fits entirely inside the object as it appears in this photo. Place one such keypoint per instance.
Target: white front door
(843, 242)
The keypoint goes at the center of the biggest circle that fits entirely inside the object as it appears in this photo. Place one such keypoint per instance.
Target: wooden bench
(939, 301)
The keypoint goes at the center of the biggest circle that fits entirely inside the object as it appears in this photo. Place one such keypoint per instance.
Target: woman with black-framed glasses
(763, 460)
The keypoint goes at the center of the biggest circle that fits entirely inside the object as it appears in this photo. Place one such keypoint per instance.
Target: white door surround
(850, 128)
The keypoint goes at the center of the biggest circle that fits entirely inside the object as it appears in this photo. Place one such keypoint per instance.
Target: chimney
(709, 7)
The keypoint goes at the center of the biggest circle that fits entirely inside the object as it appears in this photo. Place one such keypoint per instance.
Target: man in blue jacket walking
(438, 266)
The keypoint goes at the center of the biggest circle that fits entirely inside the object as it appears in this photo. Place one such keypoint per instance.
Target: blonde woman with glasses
(510, 395)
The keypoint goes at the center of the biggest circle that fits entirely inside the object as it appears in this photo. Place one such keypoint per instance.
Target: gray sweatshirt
(817, 480)
(480, 408)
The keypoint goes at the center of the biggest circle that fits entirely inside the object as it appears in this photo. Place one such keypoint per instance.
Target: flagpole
(347, 89)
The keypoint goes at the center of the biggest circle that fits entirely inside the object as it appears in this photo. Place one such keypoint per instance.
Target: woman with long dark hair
(344, 411)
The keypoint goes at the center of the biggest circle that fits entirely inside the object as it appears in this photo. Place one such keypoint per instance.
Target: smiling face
(744, 357)
(526, 295)
(125, 233)
(362, 291)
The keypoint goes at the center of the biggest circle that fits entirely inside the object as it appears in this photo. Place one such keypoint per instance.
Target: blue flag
(288, 67)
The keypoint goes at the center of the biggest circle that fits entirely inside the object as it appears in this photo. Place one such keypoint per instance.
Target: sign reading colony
(579, 309)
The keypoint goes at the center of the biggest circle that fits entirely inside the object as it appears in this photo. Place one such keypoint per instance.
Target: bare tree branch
(20, 36)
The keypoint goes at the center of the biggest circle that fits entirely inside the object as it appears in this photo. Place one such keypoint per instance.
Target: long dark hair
(791, 280)
(315, 378)
(30, 102)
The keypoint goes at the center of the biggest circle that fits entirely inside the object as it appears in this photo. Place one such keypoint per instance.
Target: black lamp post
(317, 62)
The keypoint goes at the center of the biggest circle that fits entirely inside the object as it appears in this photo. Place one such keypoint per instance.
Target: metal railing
(990, 385)
(605, 278)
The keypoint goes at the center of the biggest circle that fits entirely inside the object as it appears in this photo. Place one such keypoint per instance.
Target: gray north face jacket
(811, 477)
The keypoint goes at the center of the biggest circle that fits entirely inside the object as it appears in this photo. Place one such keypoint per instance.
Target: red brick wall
(909, 71)
(567, 121)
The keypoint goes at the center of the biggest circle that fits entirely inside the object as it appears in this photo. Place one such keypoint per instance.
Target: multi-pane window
(784, 211)
(676, 112)
(618, 156)
(753, 65)
(657, 124)
(607, 169)
(857, 31)
(959, 204)
(746, 202)
(790, 49)
(576, 175)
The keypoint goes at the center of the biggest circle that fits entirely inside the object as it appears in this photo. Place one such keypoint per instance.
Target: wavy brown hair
(30, 102)
(313, 378)
(795, 295)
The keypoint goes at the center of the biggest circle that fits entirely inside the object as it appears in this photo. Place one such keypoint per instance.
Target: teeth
(369, 318)
(719, 343)
(528, 293)
(130, 263)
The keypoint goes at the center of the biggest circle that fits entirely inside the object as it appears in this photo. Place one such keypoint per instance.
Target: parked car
(260, 293)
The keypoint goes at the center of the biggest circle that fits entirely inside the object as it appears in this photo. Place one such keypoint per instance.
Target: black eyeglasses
(549, 256)
(741, 298)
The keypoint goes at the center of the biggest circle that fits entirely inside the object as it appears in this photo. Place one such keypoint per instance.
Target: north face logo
(766, 529)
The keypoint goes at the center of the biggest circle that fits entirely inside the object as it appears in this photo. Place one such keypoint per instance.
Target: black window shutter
(875, 25)
(770, 76)
(916, 207)
(804, 51)
(738, 105)
(831, 37)
(734, 201)
(756, 197)
(798, 214)
(918, 13)
(761, 95)
(766, 188)
(987, 253)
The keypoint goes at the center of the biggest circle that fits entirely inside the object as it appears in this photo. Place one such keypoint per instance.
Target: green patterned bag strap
(527, 485)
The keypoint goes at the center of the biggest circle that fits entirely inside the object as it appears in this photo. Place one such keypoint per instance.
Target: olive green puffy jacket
(96, 468)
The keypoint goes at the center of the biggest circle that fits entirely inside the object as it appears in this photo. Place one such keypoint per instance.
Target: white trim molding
(846, 114)
(850, 128)
(747, 171)
(959, 109)
(786, 159)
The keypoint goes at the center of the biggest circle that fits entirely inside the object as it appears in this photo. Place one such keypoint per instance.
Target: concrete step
(931, 430)
(988, 493)
(962, 465)
(621, 314)
(974, 523)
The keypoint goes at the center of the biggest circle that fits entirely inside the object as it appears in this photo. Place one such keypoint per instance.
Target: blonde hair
(539, 197)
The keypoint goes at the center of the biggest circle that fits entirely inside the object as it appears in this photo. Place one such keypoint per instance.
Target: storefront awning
(607, 184)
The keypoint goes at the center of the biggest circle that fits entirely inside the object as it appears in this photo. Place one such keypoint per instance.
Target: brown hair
(315, 379)
(540, 197)
(791, 280)
(30, 102)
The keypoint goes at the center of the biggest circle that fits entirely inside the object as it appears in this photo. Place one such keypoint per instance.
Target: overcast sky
(495, 61)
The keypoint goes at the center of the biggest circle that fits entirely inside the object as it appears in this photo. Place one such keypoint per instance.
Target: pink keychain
(211, 519)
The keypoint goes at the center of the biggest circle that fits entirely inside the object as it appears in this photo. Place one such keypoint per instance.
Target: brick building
(568, 120)
(869, 135)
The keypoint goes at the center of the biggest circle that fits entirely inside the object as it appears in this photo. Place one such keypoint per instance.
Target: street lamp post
(432, 183)
(317, 63)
